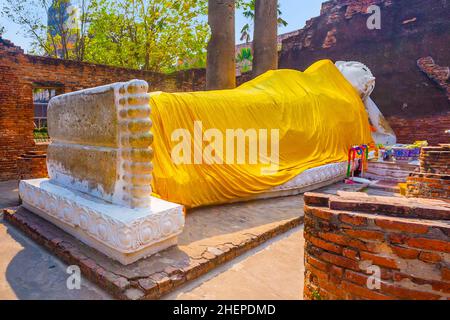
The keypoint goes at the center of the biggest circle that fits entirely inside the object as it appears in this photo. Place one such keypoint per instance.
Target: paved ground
(274, 271)
(27, 271)
(9, 194)
(271, 271)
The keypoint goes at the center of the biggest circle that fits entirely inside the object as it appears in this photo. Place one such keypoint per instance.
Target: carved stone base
(123, 234)
(309, 180)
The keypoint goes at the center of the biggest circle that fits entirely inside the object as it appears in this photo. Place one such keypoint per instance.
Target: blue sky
(295, 12)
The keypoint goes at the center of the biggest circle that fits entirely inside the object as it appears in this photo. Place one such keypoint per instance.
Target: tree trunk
(221, 64)
(265, 45)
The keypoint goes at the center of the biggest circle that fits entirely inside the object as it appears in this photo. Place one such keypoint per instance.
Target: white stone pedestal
(120, 232)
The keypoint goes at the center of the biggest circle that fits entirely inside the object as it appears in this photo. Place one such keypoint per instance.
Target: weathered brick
(406, 293)
(430, 257)
(379, 260)
(398, 238)
(321, 213)
(445, 273)
(316, 199)
(429, 244)
(402, 226)
(435, 285)
(350, 253)
(356, 277)
(347, 241)
(363, 292)
(394, 244)
(352, 219)
(336, 271)
(325, 245)
(317, 276)
(340, 261)
(365, 234)
(405, 253)
(317, 263)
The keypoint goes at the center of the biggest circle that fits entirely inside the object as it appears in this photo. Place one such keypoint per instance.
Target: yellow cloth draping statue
(217, 146)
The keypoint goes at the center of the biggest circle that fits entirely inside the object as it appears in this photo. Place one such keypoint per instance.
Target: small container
(403, 187)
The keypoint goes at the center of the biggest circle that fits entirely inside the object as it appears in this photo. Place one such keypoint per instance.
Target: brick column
(351, 239)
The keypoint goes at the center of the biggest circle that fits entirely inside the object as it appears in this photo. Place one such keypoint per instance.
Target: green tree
(153, 35)
(156, 35)
(244, 54)
(248, 7)
(244, 59)
(64, 37)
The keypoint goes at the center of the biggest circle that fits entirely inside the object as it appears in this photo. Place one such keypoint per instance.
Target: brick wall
(433, 178)
(348, 237)
(438, 74)
(431, 128)
(16, 124)
(32, 165)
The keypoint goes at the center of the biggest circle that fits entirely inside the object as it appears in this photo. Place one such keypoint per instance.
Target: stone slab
(122, 233)
(212, 236)
(393, 171)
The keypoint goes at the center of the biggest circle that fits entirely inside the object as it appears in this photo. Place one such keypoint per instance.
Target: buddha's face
(359, 76)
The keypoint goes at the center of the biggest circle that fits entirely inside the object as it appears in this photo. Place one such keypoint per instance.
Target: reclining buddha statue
(123, 162)
(301, 124)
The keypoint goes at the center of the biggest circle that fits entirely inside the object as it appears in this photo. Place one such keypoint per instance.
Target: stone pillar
(432, 180)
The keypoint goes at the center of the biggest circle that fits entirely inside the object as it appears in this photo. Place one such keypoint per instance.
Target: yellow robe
(318, 113)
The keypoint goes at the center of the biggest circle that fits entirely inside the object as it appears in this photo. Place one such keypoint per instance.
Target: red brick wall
(407, 241)
(16, 125)
(32, 165)
(433, 178)
(430, 128)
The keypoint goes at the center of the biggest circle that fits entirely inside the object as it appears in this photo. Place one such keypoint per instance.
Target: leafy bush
(40, 133)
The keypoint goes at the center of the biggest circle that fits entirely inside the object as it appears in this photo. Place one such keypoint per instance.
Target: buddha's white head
(359, 75)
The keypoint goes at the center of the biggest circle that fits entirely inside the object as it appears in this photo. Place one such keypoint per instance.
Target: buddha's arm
(384, 133)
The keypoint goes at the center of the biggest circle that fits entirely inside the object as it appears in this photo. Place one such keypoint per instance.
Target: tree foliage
(244, 59)
(248, 7)
(60, 38)
(156, 35)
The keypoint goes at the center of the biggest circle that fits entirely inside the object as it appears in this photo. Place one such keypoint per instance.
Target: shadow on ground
(28, 271)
